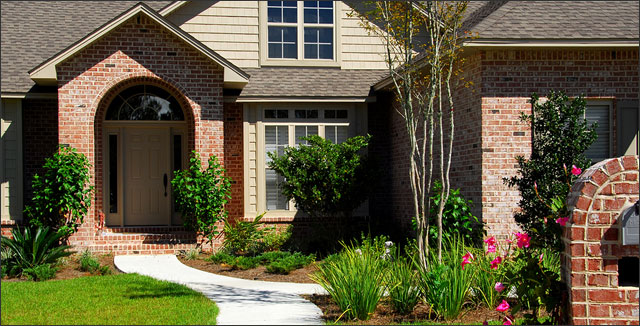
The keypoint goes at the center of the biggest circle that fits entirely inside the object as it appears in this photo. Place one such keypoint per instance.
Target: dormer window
(300, 30)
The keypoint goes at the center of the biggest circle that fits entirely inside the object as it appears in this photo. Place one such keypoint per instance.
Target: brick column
(593, 244)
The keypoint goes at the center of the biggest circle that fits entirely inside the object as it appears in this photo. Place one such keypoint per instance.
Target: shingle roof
(554, 19)
(309, 82)
(33, 31)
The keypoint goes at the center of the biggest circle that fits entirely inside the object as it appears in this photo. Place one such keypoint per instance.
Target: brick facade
(233, 157)
(489, 133)
(593, 244)
(138, 51)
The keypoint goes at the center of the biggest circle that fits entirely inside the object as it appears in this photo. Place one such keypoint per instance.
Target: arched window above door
(145, 102)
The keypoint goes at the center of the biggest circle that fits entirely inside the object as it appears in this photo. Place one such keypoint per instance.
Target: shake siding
(359, 49)
(227, 27)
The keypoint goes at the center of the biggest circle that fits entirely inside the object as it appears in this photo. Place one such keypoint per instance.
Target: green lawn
(116, 299)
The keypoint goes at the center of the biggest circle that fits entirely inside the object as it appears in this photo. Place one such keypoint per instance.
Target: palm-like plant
(33, 247)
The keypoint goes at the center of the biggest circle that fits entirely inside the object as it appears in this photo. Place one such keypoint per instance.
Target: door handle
(165, 181)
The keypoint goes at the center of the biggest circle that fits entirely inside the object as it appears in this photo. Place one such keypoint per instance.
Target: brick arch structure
(593, 244)
(103, 100)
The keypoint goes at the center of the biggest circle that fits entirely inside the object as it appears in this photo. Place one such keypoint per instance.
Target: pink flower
(496, 262)
(509, 241)
(562, 220)
(503, 306)
(541, 256)
(507, 321)
(490, 241)
(499, 287)
(523, 240)
(484, 323)
(466, 259)
(576, 170)
(491, 248)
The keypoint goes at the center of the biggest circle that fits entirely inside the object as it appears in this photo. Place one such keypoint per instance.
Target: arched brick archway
(104, 99)
(593, 244)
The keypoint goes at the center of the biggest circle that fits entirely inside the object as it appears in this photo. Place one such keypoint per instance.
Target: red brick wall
(132, 53)
(233, 158)
(593, 244)
(508, 79)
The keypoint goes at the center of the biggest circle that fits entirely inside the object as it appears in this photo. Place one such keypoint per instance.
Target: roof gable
(45, 73)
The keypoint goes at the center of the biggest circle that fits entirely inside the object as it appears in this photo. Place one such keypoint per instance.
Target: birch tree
(423, 44)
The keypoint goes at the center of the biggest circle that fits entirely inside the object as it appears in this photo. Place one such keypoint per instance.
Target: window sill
(301, 63)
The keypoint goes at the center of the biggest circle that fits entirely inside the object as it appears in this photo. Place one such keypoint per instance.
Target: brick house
(137, 86)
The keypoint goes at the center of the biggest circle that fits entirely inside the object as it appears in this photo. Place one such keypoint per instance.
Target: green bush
(560, 138)
(243, 237)
(40, 272)
(33, 247)
(221, 257)
(244, 263)
(354, 279)
(201, 194)
(269, 257)
(61, 196)
(274, 240)
(325, 178)
(457, 219)
(402, 284)
(88, 263)
(288, 263)
(445, 286)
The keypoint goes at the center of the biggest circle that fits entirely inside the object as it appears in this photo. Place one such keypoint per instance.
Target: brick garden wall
(135, 52)
(593, 244)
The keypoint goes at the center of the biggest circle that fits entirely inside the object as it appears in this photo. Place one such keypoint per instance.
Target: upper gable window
(145, 102)
(301, 30)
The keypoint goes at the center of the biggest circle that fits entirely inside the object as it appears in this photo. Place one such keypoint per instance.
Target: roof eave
(45, 73)
(549, 43)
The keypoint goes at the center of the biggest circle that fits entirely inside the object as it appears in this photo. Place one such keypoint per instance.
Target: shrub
(324, 178)
(269, 257)
(88, 263)
(40, 272)
(192, 254)
(33, 247)
(274, 240)
(61, 196)
(354, 279)
(242, 262)
(287, 263)
(457, 219)
(484, 283)
(402, 284)
(201, 194)
(243, 237)
(445, 286)
(560, 138)
(221, 257)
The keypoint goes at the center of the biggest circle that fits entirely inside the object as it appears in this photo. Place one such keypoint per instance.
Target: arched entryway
(144, 133)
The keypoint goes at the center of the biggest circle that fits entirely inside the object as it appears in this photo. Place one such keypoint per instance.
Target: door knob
(165, 181)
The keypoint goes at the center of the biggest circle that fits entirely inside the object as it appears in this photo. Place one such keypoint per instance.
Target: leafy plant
(243, 237)
(201, 194)
(561, 135)
(274, 240)
(324, 178)
(445, 286)
(483, 284)
(354, 279)
(192, 254)
(457, 219)
(33, 247)
(288, 263)
(61, 196)
(244, 263)
(88, 263)
(402, 284)
(220, 257)
(40, 272)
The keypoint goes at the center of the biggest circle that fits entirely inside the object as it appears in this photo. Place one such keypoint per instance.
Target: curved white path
(240, 301)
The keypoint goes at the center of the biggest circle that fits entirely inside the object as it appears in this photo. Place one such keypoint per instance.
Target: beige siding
(227, 27)
(359, 49)
(231, 28)
(250, 164)
(11, 159)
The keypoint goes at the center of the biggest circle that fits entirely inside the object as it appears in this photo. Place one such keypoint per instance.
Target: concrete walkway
(240, 301)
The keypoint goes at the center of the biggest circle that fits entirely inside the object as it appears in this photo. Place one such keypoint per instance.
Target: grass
(125, 299)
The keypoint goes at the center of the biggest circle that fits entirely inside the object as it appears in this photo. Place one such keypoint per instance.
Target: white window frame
(300, 61)
(603, 102)
(291, 123)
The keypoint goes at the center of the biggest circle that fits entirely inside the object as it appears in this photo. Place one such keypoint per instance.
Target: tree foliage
(325, 178)
(561, 135)
(200, 195)
(62, 195)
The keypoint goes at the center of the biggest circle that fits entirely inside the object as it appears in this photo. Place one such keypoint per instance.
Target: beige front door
(146, 176)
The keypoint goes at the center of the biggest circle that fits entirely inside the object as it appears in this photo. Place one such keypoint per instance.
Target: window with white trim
(286, 127)
(599, 112)
(301, 30)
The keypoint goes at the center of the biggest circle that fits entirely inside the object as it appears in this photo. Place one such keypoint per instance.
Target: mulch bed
(384, 314)
(259, 274)
(70, 268)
